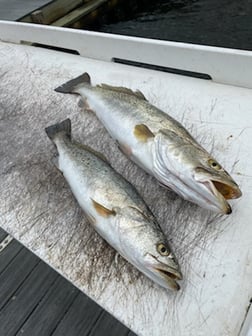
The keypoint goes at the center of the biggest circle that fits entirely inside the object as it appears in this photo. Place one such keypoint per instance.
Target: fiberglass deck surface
(40, 211)
(36, 300)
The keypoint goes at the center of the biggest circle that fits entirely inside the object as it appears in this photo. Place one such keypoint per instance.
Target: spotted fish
(115, 208)
(158, 143)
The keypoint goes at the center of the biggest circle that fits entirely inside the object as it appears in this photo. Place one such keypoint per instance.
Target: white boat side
(229, 66)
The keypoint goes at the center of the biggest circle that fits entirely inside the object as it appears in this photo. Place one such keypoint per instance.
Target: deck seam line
(103, 311)
(37, 304)
(69, 306)
(13, 294)
(10, 262)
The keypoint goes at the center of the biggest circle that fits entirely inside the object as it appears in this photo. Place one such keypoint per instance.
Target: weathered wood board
(38, 208)
(13, 9)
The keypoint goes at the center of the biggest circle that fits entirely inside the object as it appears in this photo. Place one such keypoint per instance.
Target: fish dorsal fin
(93, 151)
(122, 89)
(102, 210)
(143, 133)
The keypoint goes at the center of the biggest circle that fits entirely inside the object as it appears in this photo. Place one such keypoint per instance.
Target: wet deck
(36, 300)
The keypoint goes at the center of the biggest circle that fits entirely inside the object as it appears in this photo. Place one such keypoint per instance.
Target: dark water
(225, 23)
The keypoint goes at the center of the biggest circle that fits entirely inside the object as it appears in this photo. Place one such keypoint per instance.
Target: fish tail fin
(63, 127)
(73, 84)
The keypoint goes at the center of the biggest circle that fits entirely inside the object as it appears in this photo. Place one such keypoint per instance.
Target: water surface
(224, 23)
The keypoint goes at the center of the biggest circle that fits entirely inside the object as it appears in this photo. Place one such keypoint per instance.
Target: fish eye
(162, 249)
(214, 164)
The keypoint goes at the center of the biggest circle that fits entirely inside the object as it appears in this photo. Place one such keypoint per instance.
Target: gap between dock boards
(36, 300)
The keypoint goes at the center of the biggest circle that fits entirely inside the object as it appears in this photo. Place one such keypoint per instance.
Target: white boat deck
(39, 210)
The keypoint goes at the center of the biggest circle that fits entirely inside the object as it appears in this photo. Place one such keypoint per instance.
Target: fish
(115, 208)
(158, 143)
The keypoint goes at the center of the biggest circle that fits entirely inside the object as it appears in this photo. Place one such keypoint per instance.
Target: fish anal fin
(102, 210)
(122, 89)
(143, 133)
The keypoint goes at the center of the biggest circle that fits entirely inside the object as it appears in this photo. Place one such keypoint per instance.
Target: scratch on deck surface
(49, 221)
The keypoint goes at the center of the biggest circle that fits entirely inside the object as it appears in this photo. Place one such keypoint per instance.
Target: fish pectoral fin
(102, 210)
(143, 133)
(137, 93)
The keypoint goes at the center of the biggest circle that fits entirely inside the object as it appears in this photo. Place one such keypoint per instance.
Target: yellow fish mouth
(223, 191)
(226, 190)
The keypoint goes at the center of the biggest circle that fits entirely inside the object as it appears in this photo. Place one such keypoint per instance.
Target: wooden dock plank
(80, 318)
(15, 274)
(51, 309)
(52, 11)
(13, 9)
(108, 325)
(17, 310)
(8, 254)
(34, 299)
(3, 234)
(78, 13)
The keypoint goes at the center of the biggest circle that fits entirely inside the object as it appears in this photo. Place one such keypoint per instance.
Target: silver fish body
(158, 143)
(115, 209)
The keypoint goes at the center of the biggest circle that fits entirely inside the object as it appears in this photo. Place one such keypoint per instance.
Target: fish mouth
(223, 191)
(226, 190)
(170, 275)
(166, 273)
